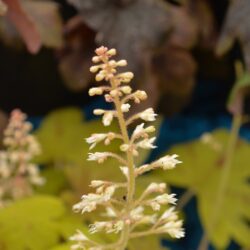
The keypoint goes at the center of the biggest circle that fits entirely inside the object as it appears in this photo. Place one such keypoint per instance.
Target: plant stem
(130, 160)
(185, 198)
(225, 175)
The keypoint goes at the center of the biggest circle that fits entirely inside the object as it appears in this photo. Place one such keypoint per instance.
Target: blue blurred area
(205, 112)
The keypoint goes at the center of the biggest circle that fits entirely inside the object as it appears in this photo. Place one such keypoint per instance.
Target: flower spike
(125, 215)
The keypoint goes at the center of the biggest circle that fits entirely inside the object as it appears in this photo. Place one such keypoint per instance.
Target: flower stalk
(18, 175)
(128, 217)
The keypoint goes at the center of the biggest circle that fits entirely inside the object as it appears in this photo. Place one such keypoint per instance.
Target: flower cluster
(17, 173)
(154, 209)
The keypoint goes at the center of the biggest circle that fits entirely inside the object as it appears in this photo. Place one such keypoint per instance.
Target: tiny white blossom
(110, 213)
(125, 171)
(95, 91)
(124, 147)
(98, 156)
(94, 139)
(137, 213)
(174, 229)
(166, 199)
(140, 95)
(147, 143)
(138, 130)
(99, 112)
(107, 118)
(168, 162)
(125, 107)
(148, 115)
(89, 202)
(98, 226)
(126, 89)
(79, 236)
(162, 200)
(97, 183)
(156, 187)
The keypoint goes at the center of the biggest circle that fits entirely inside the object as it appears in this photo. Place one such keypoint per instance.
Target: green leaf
(236, 99)
(31, 224)
(62, 137)
(55, 182)
(37, 223)
(201, 173)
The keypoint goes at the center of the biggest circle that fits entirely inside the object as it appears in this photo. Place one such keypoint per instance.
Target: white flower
(100, 157)
(140, 95)
(141, 131)
(126, 89)
(99, 112)
(162, 200)
(107, 118)
(110, 213)
(156, 187)
(137, 213)
(89, 202)
(109, 227)
(125, 171)
(168, 162)
(98, 226)
(166, 199)
(79, 236)
(97, 183)
(169, 214)
(148, 115)
(95, 138)
(147, 143)
(124, 147)
(116, 227)
(126, 77)
(125, 107)
(138, 130)
(121, 63)
(174, 229)
(95, 91)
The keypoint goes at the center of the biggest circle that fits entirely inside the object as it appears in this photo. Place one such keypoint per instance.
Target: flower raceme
(17, 173)
(125, 217)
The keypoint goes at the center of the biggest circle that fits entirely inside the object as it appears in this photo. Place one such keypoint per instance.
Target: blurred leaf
(147, 243)
(31, 224)
(46, 17)
(132, 27)
(38, 22)
(75, 56)
(201, 173)
(37, 223)
(24, 25)
(55, 182)
(238, 93)
(236, 28)
(3, 8)
(62, 137)
(174, 70)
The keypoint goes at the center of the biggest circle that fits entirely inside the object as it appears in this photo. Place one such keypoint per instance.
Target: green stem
(225, 175)
(130, 160)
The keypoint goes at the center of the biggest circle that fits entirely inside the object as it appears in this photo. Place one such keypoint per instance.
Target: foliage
(202, 174)
(36, 223)
(238, 94)
(37, 22)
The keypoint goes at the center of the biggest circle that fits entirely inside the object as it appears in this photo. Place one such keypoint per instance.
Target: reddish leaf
(236, 28)
(75, 57)
(24, 25)
(3, 8)
(45, 15)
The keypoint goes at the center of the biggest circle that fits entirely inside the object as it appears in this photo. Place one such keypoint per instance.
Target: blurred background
(183, 54)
